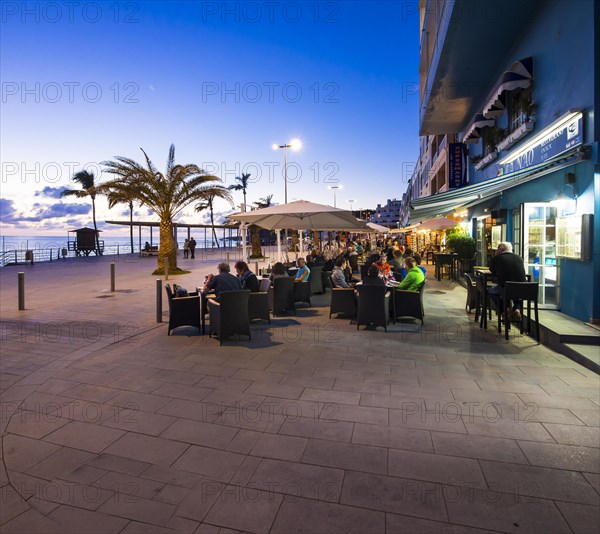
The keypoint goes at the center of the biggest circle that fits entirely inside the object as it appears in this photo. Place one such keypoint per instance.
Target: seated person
(278, 271)
(147, 247)
(384, 267)
(224, 281)
(247, 278)
(310, 262)
(506, 267)
(414, 276)
(359, 249)
(417, 259)
(303, 271)
(329, 264)
(338, 277)
(397, 263)
(372, 278)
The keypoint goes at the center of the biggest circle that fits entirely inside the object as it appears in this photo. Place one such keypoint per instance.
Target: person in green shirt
(414, 276)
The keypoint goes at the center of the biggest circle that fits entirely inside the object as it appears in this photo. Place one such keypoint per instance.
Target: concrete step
(586, 355)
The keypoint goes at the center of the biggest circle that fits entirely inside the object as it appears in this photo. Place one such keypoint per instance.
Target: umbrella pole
(278, 244)
(243, 232)
(301, 242)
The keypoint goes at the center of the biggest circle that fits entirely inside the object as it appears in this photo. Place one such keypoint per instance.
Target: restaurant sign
(555, 140)
(457, 165)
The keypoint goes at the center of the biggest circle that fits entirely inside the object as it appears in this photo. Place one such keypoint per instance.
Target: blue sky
(83, 82)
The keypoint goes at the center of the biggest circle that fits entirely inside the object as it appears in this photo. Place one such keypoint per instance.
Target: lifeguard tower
(85, 242)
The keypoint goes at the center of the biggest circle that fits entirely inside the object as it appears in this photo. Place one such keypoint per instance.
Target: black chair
(522, 292)
(343, 300)
(353, 262)
(229, 315)
(471, 293)
(302, 292)
(373, 306)
(325, 280)
(281, 296)
(409, 303)
(316, 280)
(183, 311)
(483, 303)
(258, 306)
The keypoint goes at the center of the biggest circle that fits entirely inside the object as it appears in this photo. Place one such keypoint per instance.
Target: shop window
(516, 231)
(520, 108)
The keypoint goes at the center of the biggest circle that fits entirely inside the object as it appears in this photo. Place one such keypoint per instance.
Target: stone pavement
(109, 425)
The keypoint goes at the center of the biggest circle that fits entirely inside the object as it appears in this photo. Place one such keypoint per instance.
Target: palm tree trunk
(255, 237)
(98, 251)
(131, 225)
(316, 241)
(212, 224)
(294, 246)
(168, 247)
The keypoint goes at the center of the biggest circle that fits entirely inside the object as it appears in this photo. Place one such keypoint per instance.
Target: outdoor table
(442, 259)
(204, 308)
(487, 279)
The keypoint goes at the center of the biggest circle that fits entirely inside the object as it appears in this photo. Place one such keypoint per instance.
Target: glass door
(539, 250)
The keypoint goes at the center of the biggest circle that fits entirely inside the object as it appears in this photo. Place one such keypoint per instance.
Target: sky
(83, 82)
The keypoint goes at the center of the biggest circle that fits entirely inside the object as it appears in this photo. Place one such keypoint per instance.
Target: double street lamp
(294, 144)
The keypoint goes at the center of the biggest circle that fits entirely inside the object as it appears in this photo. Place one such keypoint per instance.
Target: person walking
(192, 246)
(186, 249)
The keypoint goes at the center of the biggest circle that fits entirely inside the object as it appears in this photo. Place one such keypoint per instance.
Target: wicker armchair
(229, 316)
(183, 311)
(373, 306)
(281, 296)
(409, 304)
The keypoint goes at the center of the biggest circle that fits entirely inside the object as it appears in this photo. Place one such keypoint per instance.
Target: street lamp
(335, 188)
(351, 202)
(294, 144)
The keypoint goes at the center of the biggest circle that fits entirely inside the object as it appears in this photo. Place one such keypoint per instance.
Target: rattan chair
(281, 296)
(471, 293)
(229, 315)
(409, 304)
(316, 280)
(183, 311)
(520, 291)
(343, 301)
(373, 306)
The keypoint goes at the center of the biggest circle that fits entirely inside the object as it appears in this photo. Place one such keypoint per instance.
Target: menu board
(568, 237)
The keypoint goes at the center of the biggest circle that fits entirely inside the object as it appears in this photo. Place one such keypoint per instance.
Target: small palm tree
(207, 202)
(242, 185)
(120, 197)
(87, 180)
(166, 194)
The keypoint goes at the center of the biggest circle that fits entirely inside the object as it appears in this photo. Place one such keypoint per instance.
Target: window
(520, 108)
(487, 138)
(516, 231)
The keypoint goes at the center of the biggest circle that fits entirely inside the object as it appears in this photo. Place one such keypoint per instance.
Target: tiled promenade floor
(310, 427)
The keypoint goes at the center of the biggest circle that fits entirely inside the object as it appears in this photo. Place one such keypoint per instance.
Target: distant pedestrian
(192, 246)
(186, 249)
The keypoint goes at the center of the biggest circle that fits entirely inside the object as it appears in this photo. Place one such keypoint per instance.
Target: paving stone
(187, 409)
(169, 475)
(242, 508)
(31, 522)
(33, 424)
(20, 453)
(212, 463)
(85, 436)
(110, 462)
(346, 456)
(136, 401)
(319, 428)
(585, 436)
(396, 495)
(181, 525)
(129, 486)
(436, 468)
(306, 516)
(397, 438)
(416, 416)
(503, 512)
(64, 460)
(581, 518)
(244, 441)
(276, 390)
(569, 457)
(294, 408)
(405, 524)
(86, 522)
(181, 391)
(505, 428)
(280, 447)
(198, 433)
(147, 449)
(92, 393)
(555, 484)
(138, 509)
(132, 420)
(298, 480)
(485, 448)
(74, 494)
(200, 500)
(171, 494)
(322, 395)
(359, 414)
(589, 417)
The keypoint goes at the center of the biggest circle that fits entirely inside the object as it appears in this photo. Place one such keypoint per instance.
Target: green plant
(464, 245)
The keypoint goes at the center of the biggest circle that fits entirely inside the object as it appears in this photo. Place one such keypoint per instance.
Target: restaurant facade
(512, 95)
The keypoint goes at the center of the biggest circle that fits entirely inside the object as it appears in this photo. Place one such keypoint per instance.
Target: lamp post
(335, 188)
(351, 203)
(294, 144)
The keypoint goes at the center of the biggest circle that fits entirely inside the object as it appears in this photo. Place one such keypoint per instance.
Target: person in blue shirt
(303, 271)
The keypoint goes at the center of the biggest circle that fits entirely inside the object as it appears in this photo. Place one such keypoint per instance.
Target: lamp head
(295, 144)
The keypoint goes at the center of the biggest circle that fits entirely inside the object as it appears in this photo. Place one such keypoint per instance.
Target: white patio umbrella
(437, 223)
(302, 215)
(404, 230)
(378, 228)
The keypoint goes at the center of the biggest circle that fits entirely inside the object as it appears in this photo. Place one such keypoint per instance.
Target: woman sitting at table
(385, 269)
(372, 277)
(303, 271)
(278, 271)
(338, 276)
(247, 278)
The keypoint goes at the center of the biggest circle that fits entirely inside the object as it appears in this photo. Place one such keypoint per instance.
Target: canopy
(438, 223)
(519, 76)
(404, 230)
(378, 228)
(302, 215)
(473, 133)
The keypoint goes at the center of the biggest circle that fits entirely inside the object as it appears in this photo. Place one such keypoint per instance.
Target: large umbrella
(378, 228)
(404, 230)
(437, 223)
(302, 215)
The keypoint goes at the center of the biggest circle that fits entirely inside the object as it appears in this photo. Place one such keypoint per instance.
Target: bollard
(227, 256)
(112, 277)
(166, 268)
(158, 300)
(21, 291)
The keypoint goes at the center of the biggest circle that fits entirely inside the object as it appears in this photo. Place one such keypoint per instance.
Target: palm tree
(88, 189)
(166, 194)
(207, 202)
(242, 185)
(264, 202)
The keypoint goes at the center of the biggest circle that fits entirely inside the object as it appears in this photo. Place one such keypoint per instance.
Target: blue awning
(473, 133)
(471, 195)
(519, 76)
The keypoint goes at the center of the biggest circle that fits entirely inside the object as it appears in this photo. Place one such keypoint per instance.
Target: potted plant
(466, 248)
